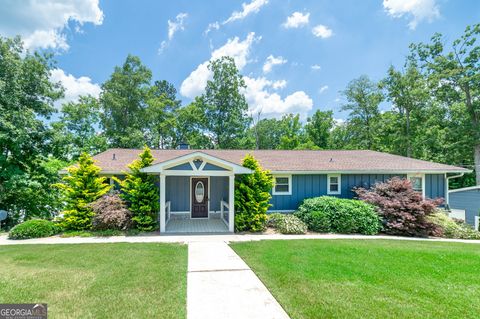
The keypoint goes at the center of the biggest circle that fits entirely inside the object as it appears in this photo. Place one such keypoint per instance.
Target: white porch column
(162, 203)
(231, 203)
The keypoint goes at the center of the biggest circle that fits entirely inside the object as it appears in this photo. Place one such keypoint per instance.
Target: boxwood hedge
(328, 214)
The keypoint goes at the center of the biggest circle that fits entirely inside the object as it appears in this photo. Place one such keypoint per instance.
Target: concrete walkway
(211, 238)
(221, 285)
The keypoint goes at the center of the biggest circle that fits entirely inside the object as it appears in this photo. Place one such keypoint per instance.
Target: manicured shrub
(274, 218)
(34, 228)
(141, 194)
(404, 210)
(81, 187)
(337, 215)
(452, 228)
(290, 224)
(110, 213)
(252, 197)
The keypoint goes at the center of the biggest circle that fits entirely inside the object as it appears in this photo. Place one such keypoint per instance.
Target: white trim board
(464, 189)
(339, 182)
(163, 166)
(290, 186)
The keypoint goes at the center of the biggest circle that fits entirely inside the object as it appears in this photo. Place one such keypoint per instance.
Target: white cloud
(195, 83)
(74, 87)
(212, 26)
(248, 8)
(272, 104)
(42, 23)
(323, 89)
(296, 20)
(280, 84)
(173, 27)
(322, 31)
(419, 10)
(316, 67)
(271, 61)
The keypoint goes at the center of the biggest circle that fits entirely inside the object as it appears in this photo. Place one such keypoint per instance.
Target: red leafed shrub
(404, 211)
(110, 213)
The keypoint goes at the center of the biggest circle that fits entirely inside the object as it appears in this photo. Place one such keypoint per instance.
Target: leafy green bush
(34, 228)
(252, 197)
(140, 193)
(451, 228)
(290, 224)
(337, 215)
(80, 187)
(273, 219)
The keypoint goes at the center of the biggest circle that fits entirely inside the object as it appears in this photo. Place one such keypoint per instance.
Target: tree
(454, 77)
(81, 187)
(191, 125)
(26, 97)
(76, 132)
(292, 132)
(408, 92)
(140, 193)
(318, 128)
(161, 112)
(224, 105)
(268, 133)
(123, 102)
(252, 197)
(363, 97)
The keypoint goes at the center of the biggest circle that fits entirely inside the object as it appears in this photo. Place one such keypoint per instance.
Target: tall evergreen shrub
(81, 187)
(141, 194)
(252, 197)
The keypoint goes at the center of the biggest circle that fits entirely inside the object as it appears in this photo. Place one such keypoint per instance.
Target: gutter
(447, 195)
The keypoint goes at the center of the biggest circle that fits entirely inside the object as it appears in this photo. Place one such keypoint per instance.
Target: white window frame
(339, 179)
(289, 185)
(422, 176)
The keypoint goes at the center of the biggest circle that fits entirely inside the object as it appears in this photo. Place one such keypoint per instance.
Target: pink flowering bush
(404, 211)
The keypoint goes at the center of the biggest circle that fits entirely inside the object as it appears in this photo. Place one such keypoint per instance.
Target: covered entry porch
(196, 193)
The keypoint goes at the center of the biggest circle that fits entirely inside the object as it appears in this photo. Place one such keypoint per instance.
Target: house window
(418, 182)
(283, 185)
(334, 186)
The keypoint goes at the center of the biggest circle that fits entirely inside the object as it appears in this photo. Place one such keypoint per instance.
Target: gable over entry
(192, 182)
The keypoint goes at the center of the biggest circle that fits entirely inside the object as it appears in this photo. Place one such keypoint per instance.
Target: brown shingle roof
(295, 160)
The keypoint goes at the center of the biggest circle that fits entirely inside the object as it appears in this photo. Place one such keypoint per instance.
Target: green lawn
(369, 278)
(97, 280)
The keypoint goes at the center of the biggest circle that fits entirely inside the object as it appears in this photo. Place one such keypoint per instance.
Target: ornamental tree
(252, 197)
(404, 210)
(81, 187)
(140, 193)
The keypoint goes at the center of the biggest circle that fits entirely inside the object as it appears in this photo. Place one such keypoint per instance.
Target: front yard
(97, 280)
(368, 278)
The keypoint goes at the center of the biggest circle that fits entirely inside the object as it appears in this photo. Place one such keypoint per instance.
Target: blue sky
(314, 47)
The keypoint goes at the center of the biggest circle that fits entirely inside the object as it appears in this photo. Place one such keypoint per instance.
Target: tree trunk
(477, 163)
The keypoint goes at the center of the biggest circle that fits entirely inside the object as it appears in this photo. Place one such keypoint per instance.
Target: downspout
(447, 197)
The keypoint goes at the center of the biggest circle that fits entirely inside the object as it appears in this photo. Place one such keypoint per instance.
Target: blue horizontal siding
(468, 200)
